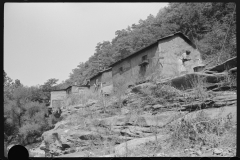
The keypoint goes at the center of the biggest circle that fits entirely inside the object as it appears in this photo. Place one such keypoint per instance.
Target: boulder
(187, 81)
(233, 70)
(217, 151)
(128, 133)
(144, 87)
(157, 106)
(90, 136)
(230, 63)
(37, 152)
(90, 103)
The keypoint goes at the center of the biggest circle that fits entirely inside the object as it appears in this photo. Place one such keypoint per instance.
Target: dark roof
(77, 86)
(58, 90)
(69, 87)
(84, 86)
(100, 73)
(155, 42)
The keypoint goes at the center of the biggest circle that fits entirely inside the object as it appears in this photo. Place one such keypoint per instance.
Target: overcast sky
(48, 40)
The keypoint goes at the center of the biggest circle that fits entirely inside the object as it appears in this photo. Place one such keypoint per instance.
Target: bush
(230, 80)
(30, 130)
(52, 120)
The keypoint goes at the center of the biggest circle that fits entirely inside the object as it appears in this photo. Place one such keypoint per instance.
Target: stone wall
(105, 78)
(57, 96)
(164, 62)
(131, 69)
(93, 80)
(74, 89)
(170, 51)
(83, 89)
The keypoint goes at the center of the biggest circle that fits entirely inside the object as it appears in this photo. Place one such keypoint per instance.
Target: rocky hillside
(151, 119)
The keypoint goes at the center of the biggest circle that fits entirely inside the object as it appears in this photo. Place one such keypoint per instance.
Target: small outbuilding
(57, 96)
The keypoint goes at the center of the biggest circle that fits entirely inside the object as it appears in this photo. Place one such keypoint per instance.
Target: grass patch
(202, 130)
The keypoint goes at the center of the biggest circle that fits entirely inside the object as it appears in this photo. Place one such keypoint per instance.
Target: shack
(57, 96)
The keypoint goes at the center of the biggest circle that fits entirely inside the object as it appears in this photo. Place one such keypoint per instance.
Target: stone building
(167, 57)
(102, 81)
(75, 89)
(57, 96)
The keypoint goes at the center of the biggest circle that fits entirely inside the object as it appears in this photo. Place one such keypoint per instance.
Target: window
(144, 57)
(144, 61)
(121, 70)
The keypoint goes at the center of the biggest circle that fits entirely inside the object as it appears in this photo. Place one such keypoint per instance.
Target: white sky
(48, 40)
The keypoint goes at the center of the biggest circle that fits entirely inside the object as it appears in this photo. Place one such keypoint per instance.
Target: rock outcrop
(145, 112)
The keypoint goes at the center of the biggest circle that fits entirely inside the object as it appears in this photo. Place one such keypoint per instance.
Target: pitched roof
(58, 90)
(76, 86)
(69, 87)
(155, 42)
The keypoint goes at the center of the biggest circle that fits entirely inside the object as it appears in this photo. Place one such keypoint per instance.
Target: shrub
(200, 130)
(52, 120)
(120, 87)
(165, 93)
(230, 80)
(33, 108)
(199, 90)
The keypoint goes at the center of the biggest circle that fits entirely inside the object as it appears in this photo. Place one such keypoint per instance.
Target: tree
(20, 95)
(8, 88)
(17, 83)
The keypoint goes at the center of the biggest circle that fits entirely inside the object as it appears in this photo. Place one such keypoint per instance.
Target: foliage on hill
(25, 109)
(211, 26)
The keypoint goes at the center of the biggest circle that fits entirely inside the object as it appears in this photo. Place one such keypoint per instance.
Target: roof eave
(157, 41)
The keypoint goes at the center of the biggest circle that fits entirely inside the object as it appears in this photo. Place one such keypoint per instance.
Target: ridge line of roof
(69, 87)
